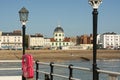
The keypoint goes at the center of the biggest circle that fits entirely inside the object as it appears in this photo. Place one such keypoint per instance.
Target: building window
(18, 40)
(116, 39)
(15, 40)
(52, 43)
(59, 34)
(111, 44)
(59, 39)
(59, 44)
(66, 43)
(55, 34)
(8, 40)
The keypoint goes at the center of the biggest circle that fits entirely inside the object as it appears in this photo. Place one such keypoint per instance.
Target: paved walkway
(12, 72)
(9, 73)
(10, 78)
(10, 60)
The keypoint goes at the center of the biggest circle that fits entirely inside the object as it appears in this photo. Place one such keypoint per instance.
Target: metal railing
(50, 74)
(112, 75)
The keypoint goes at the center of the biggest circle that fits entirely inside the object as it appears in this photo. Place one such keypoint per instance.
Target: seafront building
(38, 41)
(11, 40)
(56, 42)
(59, 40)
(35, 41)
(110, 40)
(0, 38)
(85, 39)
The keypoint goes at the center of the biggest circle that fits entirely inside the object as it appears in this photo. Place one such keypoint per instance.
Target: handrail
(109, 72)
(43, 72)
(60, 76)
(43, 63)
(59, 65)
(82, 68)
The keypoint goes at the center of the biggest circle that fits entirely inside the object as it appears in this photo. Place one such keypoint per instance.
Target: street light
(95, 4)
(23, 14)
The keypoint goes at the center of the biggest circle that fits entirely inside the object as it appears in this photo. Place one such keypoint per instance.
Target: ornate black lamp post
(23, 13)
(95, 4)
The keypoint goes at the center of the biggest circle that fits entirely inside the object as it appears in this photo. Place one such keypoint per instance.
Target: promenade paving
(10, 60)
(10, 70)
(10, 78)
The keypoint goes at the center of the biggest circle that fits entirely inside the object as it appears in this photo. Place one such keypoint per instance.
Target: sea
(110, 65)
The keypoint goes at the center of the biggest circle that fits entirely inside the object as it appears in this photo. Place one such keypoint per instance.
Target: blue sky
(74, 16)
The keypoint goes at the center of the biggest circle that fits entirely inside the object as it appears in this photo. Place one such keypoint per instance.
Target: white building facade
(0, 38)
(47, 43)
(11, 40)
(37, 41)
(110, 40)
(59, 40)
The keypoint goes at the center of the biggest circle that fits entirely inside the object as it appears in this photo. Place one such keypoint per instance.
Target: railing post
(97, 73)
(37, 68)
(70, 71)
(51, 70)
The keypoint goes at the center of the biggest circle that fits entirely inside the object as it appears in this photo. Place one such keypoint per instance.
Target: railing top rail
(59, 65)
(43, 63)
(81, 68)
(109, 72)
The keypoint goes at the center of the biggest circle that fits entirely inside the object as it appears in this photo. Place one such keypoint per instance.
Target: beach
(59, 55)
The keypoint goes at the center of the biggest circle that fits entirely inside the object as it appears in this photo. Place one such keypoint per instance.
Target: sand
(59, 55)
